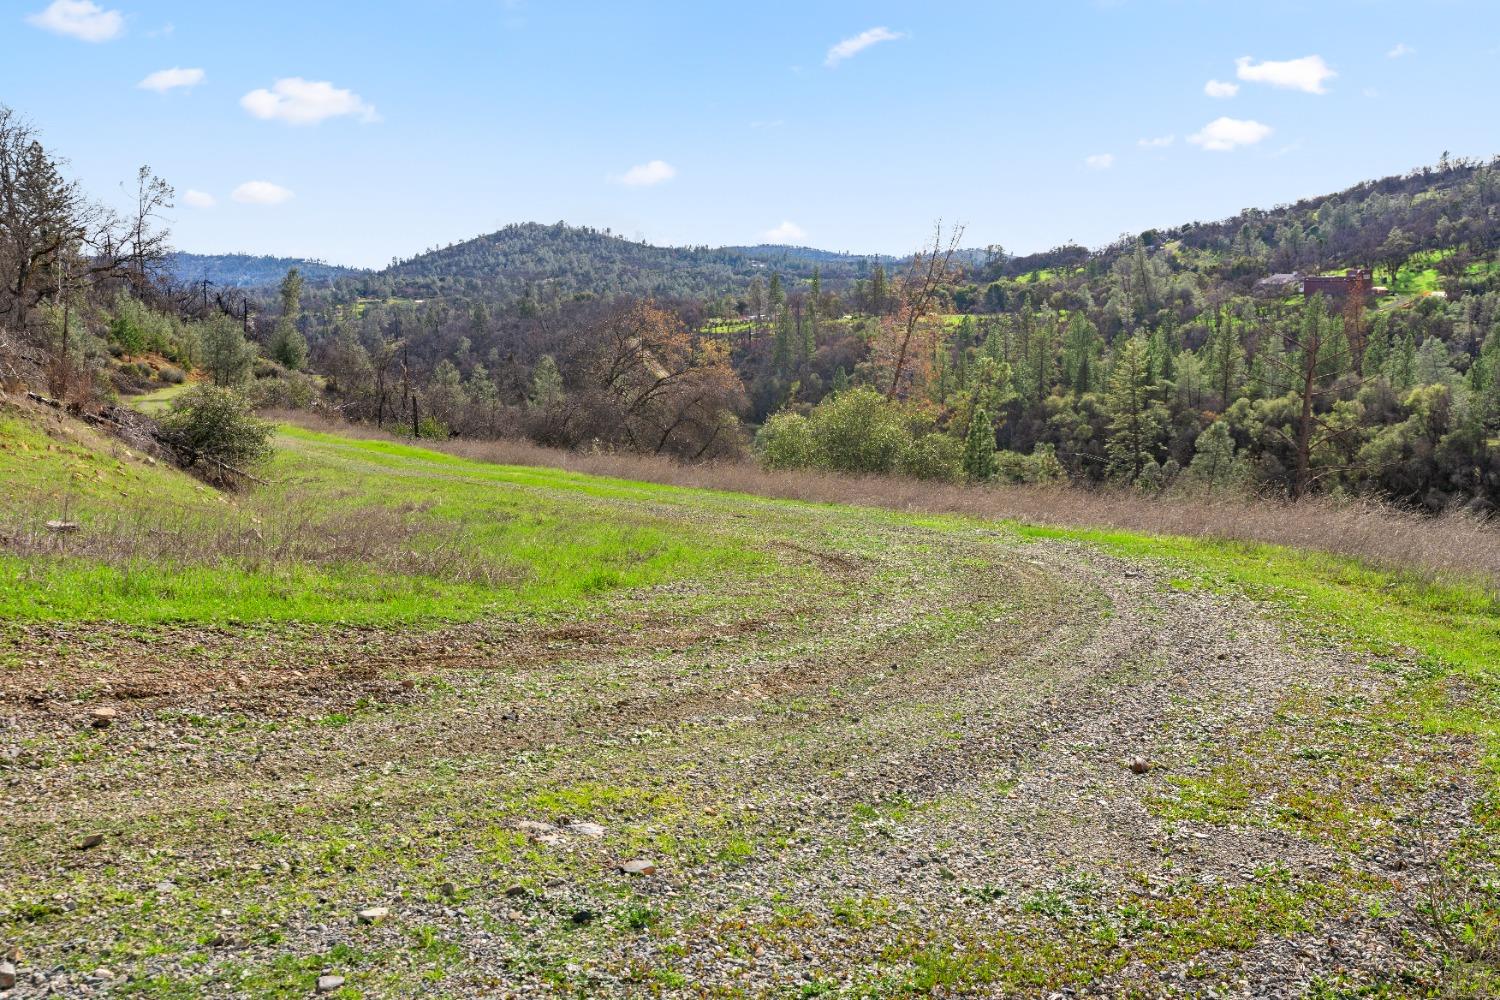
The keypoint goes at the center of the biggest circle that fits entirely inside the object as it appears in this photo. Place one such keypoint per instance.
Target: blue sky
(358, 132)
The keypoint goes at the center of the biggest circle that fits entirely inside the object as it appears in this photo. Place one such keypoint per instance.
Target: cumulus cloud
(1100, 161)
(1223, 134)
(1401, 49)
(647, 174)
(305, 102)
(81, 19)
(164, 80)
(1220, 88)
(787, 232)
(1307, 74)
(260, 193)
(202, 199)
(854, 45)
(1157, 142)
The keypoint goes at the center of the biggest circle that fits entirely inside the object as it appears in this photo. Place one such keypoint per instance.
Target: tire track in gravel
(1001, 739)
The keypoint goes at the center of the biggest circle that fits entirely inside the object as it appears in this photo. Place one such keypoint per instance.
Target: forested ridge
(1162, 361)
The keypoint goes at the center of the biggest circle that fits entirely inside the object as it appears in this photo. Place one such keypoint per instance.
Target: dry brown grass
(302, 533)
(1451, 545)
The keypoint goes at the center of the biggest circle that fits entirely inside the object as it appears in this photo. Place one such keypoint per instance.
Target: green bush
(171, 376)
(212, 429)
(786, 442)
(1040, 467)
(859, 431)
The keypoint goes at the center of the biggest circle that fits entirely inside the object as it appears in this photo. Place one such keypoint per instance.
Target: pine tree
(979, 447)
(1401, 364)
(287, 343)
(877, 290)
(1136, 419)
(546, 382)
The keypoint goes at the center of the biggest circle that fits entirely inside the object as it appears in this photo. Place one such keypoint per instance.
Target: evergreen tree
(226, 354)
(546, 382)
(287, 343)
(1136, 419)
(1226, 359)
(1401, 365)
(979, 448)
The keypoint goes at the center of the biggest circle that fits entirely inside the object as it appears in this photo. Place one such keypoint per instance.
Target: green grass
(538, 542)
(159, 401)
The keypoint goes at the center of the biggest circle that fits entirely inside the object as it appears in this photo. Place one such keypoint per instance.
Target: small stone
(517, 891)
(1139, 765)
(327, 984)
(102, 973)
(104, 717)
(90, 842)
(407, 684)
(638, 866)
(586, 829)
(374, 914)
(535, 827)
(7, 976)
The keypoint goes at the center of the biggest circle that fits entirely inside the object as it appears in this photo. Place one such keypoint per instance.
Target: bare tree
(931, 267)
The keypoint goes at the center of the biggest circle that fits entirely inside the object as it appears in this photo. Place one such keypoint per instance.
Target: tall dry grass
(1453, 545)
(303, 532)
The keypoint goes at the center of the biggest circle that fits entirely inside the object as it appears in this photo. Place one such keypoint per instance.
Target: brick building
(1355, 283)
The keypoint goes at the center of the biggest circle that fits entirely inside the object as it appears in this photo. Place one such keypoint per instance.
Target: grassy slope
(574, 544)
(325, 488)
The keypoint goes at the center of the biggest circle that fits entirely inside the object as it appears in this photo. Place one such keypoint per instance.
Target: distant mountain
(781, 252)
(238, 270)
(564, 261)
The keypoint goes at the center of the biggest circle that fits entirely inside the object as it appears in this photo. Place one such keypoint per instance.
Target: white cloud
(80, 19)
(305, 102)
(260, 193)
(787, 232)
(1158, 142)
(647, 174)
(164, 80)
(856, 44)
(201, 199)
(1401, 49)
(1224, 134)
(1306, 74)
(1100, 161)
(1219, 88)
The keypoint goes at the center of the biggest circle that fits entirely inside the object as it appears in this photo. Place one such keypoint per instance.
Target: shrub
(859, 431)
(932, 456)
(786, 442)
(212, 429)
(171, 376)
(1042, 466)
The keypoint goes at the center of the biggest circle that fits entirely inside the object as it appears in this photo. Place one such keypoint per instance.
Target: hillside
(238, 270)
(560, 261)
(544, 731)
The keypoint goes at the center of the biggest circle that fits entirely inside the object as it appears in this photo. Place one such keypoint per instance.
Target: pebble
(7, 976)
(91, 841)
(374, 914)
(1139, 765)
(104, 717)
(327, 984)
